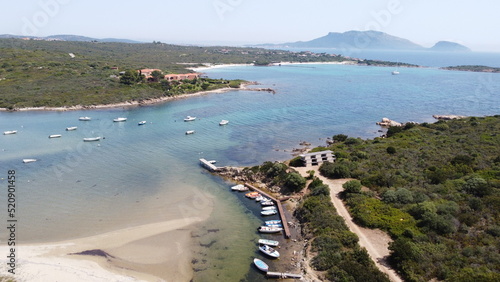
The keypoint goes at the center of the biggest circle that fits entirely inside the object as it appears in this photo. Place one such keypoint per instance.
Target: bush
(335, 170)
(391, 150)
(339, 137)
(295, 182)
(352, 186)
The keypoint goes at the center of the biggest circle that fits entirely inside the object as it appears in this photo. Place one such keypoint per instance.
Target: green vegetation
(277, 175)
(36, 73)
(435, 188)
(474, 68)
(336, 248)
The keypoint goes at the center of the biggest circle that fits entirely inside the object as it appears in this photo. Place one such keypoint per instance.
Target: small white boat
(142, 122)
(262, 266)
(85, 118)
(213, 161)
(272, 243)
(259, 198)
(270, 229)
(271, 212)
(267, 203)
(395, 72)
(269, 251)
(9, 132)
(189, 132)
(189, 118)
(273, 222)
(223, 122)
(91, 139)
(55, 136)
(120, 119)
(29, 161)
(71, 128)
(269, 208)
(239, 187)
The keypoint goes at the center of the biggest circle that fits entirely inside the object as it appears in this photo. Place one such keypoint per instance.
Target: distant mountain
(447, 46)
(373, 40)
(357, 40)
(70, 37)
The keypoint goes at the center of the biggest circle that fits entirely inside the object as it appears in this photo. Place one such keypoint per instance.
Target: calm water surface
(143, 174)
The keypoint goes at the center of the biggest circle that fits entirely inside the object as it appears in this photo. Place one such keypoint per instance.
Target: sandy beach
(151, 252)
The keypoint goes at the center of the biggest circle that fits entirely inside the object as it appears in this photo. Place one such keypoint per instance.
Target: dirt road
(375, 241)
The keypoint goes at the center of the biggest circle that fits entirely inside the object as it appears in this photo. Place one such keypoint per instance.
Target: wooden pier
(283, 275)
(208, 165)
(284, 222)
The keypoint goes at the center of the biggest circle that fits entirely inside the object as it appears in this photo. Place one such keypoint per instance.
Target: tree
(352, 186)
(156, 76)
(295, 182)
(477, 186)
(131, 77)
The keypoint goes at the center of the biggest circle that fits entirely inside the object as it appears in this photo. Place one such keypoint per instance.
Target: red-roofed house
(171, 77)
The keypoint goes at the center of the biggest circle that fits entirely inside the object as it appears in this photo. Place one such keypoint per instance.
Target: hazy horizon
(240, 22)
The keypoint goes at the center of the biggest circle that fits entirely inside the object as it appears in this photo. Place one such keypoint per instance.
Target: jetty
(208, 165)
(286, 229)
(283, 275)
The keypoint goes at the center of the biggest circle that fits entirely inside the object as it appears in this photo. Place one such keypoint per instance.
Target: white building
(317, 158)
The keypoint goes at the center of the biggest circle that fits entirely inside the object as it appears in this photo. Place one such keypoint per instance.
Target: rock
(448, 117)
(388, 122)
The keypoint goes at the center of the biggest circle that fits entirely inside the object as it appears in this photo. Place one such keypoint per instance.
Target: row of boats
(266, 246)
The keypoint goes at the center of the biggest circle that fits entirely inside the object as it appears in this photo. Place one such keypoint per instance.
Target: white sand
(150, 252)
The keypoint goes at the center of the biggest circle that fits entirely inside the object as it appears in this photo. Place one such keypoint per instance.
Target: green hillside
(436, 189)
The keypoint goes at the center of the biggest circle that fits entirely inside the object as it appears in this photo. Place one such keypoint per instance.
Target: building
(172, 77)
(147, 72)
(317, 158)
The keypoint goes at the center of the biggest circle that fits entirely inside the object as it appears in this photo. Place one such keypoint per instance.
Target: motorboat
(269, 212)
(120, 119)
(223, 122)
(262, 266)
(29, 160)
(189, 132)
(267, 203)
(55, 136)
(395, 72)
(252, 195)
(272, 222)
(71, 128)
(239, 187)
(9, 132)
(91, 139)
(269, 208)
(269, 251)
(142, 122)
(85, 118)
(270, 229)
(189, 118)
(268, 242)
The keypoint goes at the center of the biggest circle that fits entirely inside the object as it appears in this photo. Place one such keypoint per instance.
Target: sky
(237, 22)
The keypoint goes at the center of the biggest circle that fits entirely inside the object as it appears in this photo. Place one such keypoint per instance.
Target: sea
(142, 174)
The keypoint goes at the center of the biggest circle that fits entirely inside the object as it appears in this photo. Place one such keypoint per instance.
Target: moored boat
(189, 118)
(268, 242)
(270, 229)
(189, 132)
(267, 203)
(262, 266)
(9, 132)
(269, 251)
(239, 187)
(269, 208)
(71, 128)
(223, 122)
(55, 136)
(252, 195)
(120, 119)
(272, 222)
(29, 160)
(269, 212)
(91, 139)
(142, 122)
(85, 118)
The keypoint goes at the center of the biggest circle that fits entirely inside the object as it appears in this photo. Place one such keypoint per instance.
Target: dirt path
(375, 241)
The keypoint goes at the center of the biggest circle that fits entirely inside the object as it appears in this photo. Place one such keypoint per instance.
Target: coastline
(148, 102)
(149, 252)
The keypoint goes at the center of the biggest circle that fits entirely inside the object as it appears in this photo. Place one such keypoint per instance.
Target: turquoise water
(142, 174)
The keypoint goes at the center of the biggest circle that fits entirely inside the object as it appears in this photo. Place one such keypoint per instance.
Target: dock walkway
(284, 222)
(208, 165)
